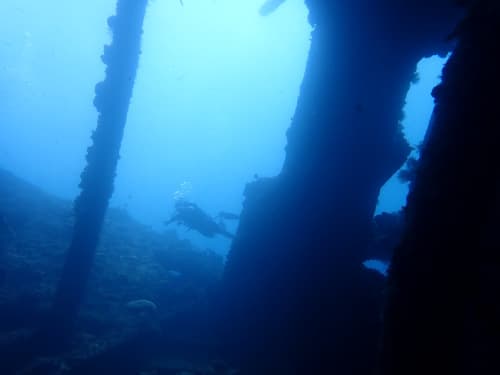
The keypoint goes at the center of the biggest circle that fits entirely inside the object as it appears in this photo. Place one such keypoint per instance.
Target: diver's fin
(228, 216)
(227, 234)
(269, 7)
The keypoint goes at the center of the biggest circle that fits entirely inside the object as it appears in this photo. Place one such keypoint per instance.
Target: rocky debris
(134, 266)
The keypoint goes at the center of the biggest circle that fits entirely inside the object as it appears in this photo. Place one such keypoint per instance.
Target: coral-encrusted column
(112, 102)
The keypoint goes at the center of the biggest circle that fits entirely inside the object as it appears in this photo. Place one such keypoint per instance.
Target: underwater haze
(134, 134)
(216, 89)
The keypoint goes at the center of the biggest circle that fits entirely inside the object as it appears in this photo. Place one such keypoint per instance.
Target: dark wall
(443, 310)
(297, 298)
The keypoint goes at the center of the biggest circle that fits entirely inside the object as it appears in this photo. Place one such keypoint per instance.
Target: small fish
(377, 265)
(182, 2)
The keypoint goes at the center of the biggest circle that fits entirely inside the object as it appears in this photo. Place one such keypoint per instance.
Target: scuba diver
(193, 217)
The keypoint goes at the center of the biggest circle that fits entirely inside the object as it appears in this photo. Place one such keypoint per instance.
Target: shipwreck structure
(295, 298)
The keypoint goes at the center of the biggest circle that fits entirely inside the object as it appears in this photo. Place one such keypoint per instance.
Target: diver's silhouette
(193, 217)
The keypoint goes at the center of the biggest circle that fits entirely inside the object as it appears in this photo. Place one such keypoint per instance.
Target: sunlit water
(216, 90)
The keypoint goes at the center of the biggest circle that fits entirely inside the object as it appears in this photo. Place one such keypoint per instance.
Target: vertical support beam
(112, 103)
(298, 299)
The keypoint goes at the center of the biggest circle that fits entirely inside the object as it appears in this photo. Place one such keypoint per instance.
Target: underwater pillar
(297, 299)
(112, 103)
(443, 311)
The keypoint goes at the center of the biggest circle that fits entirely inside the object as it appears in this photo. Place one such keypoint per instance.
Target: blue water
(417, 113)
(216, 89)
